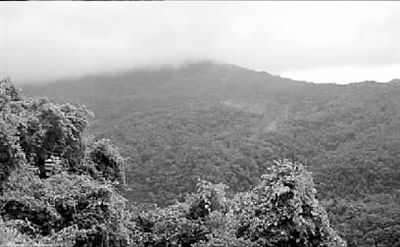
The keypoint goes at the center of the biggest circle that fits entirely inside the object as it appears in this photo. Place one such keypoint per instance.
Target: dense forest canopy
(227, 124)
(61, 187)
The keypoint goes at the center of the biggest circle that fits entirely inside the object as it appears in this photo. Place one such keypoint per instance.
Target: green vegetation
(226, 124)
(61, 187)
(56, 186)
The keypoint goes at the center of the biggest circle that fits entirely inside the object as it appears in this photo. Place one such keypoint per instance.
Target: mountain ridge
(169, 69)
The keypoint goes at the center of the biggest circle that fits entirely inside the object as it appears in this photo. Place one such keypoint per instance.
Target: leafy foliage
(283, 211)
(280, 211)
(56, 203)
(108, 161)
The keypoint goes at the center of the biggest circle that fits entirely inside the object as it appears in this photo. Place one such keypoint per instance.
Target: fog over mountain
(322, 42)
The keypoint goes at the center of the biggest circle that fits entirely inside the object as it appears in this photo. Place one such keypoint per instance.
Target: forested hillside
(227, 124)
(59, 186)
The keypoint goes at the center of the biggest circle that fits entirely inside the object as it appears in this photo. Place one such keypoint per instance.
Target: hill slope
(227, 124)
(61, 187)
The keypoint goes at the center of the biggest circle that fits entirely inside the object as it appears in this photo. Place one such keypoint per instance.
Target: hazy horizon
(321, 42)
(295, 75)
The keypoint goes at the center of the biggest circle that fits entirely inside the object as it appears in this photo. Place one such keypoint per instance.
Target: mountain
(228, 124)
(60, 188)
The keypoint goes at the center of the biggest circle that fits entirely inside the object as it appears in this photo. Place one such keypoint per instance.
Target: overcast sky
(316, 41)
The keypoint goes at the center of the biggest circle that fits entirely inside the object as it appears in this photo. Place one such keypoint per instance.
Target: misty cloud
(49, 40)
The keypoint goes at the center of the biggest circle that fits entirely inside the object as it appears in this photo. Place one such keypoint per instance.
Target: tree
(280, 211)
(77, 203)
(283, 211)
